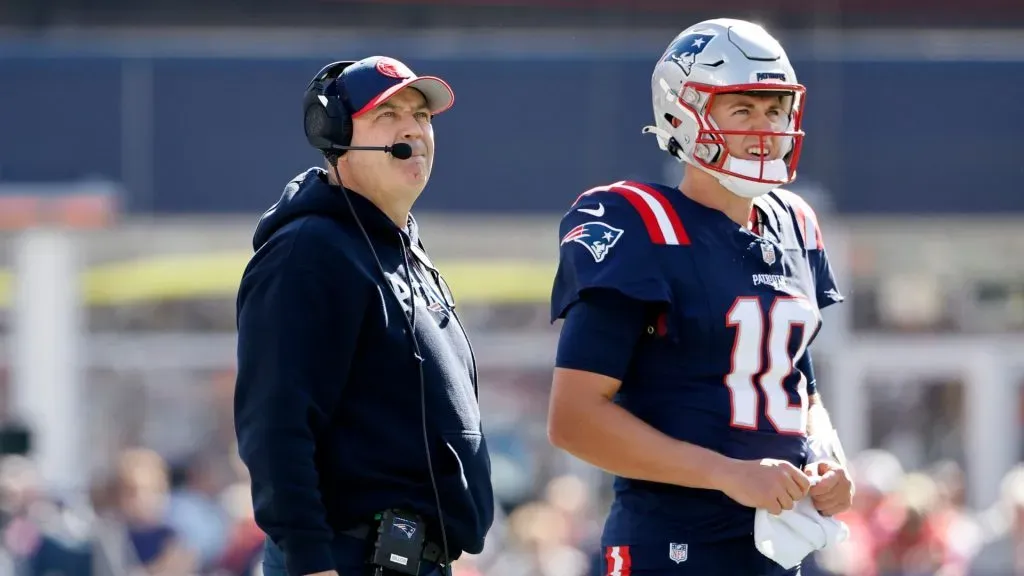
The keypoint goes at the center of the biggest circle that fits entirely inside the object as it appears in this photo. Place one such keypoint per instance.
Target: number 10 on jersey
(766, 335)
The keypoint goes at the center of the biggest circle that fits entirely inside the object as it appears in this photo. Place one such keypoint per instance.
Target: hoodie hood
(310, 194)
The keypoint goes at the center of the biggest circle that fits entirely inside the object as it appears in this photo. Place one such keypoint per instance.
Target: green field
(216, 275)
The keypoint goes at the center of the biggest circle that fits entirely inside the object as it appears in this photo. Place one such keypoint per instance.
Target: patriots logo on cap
(393, 68)
(685, 50)
(597, 237)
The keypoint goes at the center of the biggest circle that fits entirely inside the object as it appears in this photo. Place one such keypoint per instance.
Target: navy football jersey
(719, 365)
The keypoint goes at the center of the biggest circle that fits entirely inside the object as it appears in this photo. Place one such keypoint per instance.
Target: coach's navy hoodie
(327, 404)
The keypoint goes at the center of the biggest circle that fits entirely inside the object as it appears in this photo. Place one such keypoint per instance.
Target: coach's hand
(773, 485)
(328, 573)
(833, 492)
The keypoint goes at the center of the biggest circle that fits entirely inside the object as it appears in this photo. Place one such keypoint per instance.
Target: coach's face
(402, 118)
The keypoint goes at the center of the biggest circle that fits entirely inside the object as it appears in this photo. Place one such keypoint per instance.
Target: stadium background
(139, 142)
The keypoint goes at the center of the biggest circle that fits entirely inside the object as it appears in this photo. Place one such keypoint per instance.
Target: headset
(327, 116)
(327, 120)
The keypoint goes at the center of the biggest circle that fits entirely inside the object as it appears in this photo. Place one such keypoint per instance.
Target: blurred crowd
(148, 519)
(916, 523)
(194, 518)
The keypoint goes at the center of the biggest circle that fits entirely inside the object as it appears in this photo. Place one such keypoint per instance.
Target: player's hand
(328, 573)
(833, 492)
(773, 485)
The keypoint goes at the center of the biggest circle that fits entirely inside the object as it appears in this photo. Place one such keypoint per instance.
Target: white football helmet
(717, 57)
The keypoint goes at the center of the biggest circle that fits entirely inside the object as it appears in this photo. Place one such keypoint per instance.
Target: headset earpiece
(327, 118)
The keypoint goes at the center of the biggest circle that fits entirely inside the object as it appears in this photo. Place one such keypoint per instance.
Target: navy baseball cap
(371, 81)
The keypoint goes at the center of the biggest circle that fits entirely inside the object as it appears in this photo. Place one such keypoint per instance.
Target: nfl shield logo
(677, 552)
(768, 253)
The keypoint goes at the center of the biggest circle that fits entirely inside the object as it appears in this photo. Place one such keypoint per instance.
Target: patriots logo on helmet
(685, 50)
(597, 237)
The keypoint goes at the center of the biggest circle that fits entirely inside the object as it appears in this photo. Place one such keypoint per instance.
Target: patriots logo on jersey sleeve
(685, 50)
(597, 237)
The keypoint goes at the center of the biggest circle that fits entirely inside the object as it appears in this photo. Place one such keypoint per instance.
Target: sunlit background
(141, 140)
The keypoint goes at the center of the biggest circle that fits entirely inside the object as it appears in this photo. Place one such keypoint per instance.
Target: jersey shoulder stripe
(802, 215)
(659, 216)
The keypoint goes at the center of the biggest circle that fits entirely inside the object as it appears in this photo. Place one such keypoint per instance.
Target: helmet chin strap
(746, 188)
(774, 170)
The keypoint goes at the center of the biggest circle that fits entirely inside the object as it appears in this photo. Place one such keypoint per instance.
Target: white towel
(794, 534)
(791, 536)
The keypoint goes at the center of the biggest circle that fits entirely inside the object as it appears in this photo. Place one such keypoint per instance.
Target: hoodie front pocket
(464, 483)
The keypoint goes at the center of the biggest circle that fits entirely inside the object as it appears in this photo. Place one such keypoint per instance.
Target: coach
(356, 407)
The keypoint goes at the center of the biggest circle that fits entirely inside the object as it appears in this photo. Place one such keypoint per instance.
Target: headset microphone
(401, 150)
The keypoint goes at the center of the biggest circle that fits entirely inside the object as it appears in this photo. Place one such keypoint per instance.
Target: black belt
(432, 551)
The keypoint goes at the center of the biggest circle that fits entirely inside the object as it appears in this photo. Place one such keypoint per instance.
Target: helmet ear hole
(710, 153)
(675, 122)
(674, 148)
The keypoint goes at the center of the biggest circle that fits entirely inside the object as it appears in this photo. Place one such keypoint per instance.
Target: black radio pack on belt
(401, 537)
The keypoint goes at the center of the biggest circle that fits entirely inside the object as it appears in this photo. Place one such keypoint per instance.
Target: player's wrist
(825, 445)
(722, 470)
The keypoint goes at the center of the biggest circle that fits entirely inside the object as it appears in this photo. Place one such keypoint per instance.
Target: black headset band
(331, 77)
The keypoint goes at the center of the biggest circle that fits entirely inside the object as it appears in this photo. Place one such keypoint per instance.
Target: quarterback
(683, 365)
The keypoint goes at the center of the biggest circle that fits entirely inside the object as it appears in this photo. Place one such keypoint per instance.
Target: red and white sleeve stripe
(617, 561)
(808, 221)
(660, 218)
